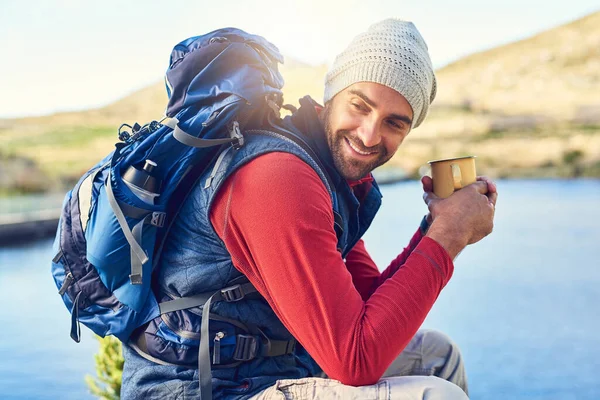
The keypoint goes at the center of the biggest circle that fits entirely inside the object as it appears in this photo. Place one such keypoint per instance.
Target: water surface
(522, 304)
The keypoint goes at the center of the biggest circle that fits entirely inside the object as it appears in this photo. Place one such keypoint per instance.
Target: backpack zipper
(211, 118)
(66, 283)
(217, 347)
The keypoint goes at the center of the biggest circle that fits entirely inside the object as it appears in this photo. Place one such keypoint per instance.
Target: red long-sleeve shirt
(275, 217)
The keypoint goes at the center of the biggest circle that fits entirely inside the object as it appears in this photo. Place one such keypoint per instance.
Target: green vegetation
(592, 128)
(21, 175)
(61, 154)
(591, 170)
(109, 370)
(572, 157)
(68, 136)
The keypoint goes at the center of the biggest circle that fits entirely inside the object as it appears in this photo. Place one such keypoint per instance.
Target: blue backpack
(115, 217)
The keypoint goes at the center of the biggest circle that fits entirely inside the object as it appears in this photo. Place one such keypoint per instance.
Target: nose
(369, 134)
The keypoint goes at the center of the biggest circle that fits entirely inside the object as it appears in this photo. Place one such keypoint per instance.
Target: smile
(357, 150)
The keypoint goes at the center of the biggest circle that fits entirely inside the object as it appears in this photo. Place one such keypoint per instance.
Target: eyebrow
(403, 118)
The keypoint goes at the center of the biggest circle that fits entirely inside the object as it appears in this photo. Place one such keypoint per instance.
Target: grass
(60, 136)
(591, 128)
(62, 153)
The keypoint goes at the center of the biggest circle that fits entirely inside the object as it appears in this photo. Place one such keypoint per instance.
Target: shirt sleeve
(365, 274)
(275, 217)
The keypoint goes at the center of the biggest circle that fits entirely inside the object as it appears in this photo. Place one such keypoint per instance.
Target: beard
(351, 168)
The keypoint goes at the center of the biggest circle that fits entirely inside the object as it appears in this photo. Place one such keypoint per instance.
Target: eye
(394, 124)
(358, 106)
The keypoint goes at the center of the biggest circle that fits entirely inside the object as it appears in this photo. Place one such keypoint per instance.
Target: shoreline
(22, 228)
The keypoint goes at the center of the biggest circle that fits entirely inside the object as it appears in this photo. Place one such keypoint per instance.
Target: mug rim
(450, 159)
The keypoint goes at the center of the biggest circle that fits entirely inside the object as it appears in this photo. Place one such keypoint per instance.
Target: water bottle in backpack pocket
(108, 247)
(94, 262)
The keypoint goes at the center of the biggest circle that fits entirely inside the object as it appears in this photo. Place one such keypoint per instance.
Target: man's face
(365, 124)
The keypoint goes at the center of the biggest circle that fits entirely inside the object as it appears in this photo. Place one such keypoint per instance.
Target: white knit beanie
(392, 53)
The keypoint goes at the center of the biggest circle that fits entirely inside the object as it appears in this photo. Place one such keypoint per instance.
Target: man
(271, 215)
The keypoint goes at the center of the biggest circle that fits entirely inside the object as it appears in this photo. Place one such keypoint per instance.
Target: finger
(429, 218)
(492, 198)
(430, 198)
(427, 183)
(480, 186)
(491, 185)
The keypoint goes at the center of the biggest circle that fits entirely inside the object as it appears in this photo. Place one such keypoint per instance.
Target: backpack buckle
(233, 293)
(135, 279)
(158, 219)
(246, 348)
(236, 134)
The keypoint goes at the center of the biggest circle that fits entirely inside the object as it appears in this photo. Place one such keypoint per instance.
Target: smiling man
(327, 323)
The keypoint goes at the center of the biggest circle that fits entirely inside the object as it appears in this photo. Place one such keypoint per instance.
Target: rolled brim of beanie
(384, 74)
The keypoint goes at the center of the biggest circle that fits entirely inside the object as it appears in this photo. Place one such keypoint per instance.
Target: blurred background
(518, 86)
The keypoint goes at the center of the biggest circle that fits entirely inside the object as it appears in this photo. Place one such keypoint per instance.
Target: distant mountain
(529, 108)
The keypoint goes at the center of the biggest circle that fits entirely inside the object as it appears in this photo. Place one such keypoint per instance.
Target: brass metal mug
(452, 174)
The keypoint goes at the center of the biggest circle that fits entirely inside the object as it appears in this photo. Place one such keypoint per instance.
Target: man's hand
(466, 217)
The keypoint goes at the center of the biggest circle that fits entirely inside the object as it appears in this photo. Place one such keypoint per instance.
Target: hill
(528, 109)
(61, 146)
(555, 74)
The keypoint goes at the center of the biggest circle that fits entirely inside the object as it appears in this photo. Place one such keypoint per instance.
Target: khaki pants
(429, 368)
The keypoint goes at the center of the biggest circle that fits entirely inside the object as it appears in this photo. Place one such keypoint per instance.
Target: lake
(522, 304)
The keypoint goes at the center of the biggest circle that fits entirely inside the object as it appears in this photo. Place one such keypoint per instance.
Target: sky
(68, 55)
